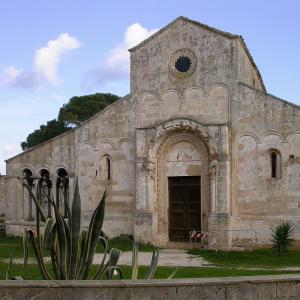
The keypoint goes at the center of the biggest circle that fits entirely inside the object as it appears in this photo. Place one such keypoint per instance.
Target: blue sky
(53, 50)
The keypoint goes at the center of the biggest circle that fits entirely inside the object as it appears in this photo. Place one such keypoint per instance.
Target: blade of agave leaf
(93, 235)
(114, 256)
(61, 238)
(47, 231)
(53, 253)
(39, 258)
(25, 247)
(67, 212)
(37, 204)
(9, 268)
(81, 251)
(68, 244)
(75, 230)
(153, 264)
(135, 263)
(173, 273)
(100, 269)
(113, 261)
(112, 271)
(17, 278)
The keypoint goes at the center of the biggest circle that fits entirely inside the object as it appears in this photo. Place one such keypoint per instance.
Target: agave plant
(72, 248)
(152, 267)
(282, 237)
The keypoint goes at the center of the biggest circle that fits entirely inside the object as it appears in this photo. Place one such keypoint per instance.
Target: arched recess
(62, 190)
(181, 148)
(28, 179)
(44, 190)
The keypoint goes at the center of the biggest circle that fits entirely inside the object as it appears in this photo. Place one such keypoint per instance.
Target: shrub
(282, 237)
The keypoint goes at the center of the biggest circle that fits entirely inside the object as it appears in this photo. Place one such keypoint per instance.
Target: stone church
(197, 144)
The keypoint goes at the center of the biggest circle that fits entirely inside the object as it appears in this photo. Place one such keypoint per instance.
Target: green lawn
(32, 272)
(255, 258)
(228, 263)
(13, 246)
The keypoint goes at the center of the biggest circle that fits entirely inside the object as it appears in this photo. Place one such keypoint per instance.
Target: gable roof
(211, 29)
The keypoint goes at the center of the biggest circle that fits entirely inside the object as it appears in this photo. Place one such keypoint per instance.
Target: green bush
(282, 237)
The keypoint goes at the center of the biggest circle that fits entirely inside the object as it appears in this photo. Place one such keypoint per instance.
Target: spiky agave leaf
(25, 247)
(75, 231)
(9, 268)
(36, 202)
(47, 232)
(111, 265)
(153, 265)
(135, 263)
(101, 267)
(39, 257)
(93, 234)
(61, 251)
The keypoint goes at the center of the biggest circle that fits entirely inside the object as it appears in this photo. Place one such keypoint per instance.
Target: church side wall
(109, 136)
(51, 156)
(2, 195)
(262, 124)
(245, 71)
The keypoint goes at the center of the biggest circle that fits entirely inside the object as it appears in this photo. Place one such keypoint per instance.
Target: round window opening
(183, 64)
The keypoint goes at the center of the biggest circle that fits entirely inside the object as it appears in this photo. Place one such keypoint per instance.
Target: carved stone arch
(269, 133)
(30, 168)
(40, 168)
(253, 135)
(81, 145)
(291, 135)
(167, 138)
(193, 93)
(188, 125)
(106, 141)
(121, 141)
(219, 89)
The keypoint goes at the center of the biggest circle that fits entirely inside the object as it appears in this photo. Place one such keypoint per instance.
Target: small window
(108, 169)
(275, 160)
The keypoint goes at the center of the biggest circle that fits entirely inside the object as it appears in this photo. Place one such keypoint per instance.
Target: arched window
(275, 162)
(108, 168)
(27, 176)
(62, 190)
(44, 190)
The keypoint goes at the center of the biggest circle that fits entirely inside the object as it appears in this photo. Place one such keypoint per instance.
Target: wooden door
(184, 206)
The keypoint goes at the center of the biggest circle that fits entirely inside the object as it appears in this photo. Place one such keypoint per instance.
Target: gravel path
(167, 257)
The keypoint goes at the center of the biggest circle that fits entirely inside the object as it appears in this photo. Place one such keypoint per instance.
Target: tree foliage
(77, 110)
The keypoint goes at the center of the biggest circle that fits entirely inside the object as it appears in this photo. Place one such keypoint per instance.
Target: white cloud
(17, 77)
(46, 59)
(116, 63)
(45, 64)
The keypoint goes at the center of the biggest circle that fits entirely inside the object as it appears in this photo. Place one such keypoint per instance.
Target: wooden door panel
(184, 206)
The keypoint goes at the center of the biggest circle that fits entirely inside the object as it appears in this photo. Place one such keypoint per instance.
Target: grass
(228, 263)
(13, 246)
(255, 258)
(32, 273)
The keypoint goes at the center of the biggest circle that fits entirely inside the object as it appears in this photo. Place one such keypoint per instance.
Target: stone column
(148, 168)
(213, 172)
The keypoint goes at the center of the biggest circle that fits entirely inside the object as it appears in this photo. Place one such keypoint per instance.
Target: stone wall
(108, 135)
(55, 154)
(262, 123)
(2, 195)
(280, 287)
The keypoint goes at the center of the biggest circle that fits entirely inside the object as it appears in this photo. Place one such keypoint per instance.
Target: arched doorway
(183, 185)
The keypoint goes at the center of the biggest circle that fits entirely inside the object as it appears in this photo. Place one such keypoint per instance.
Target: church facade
(197, 144)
